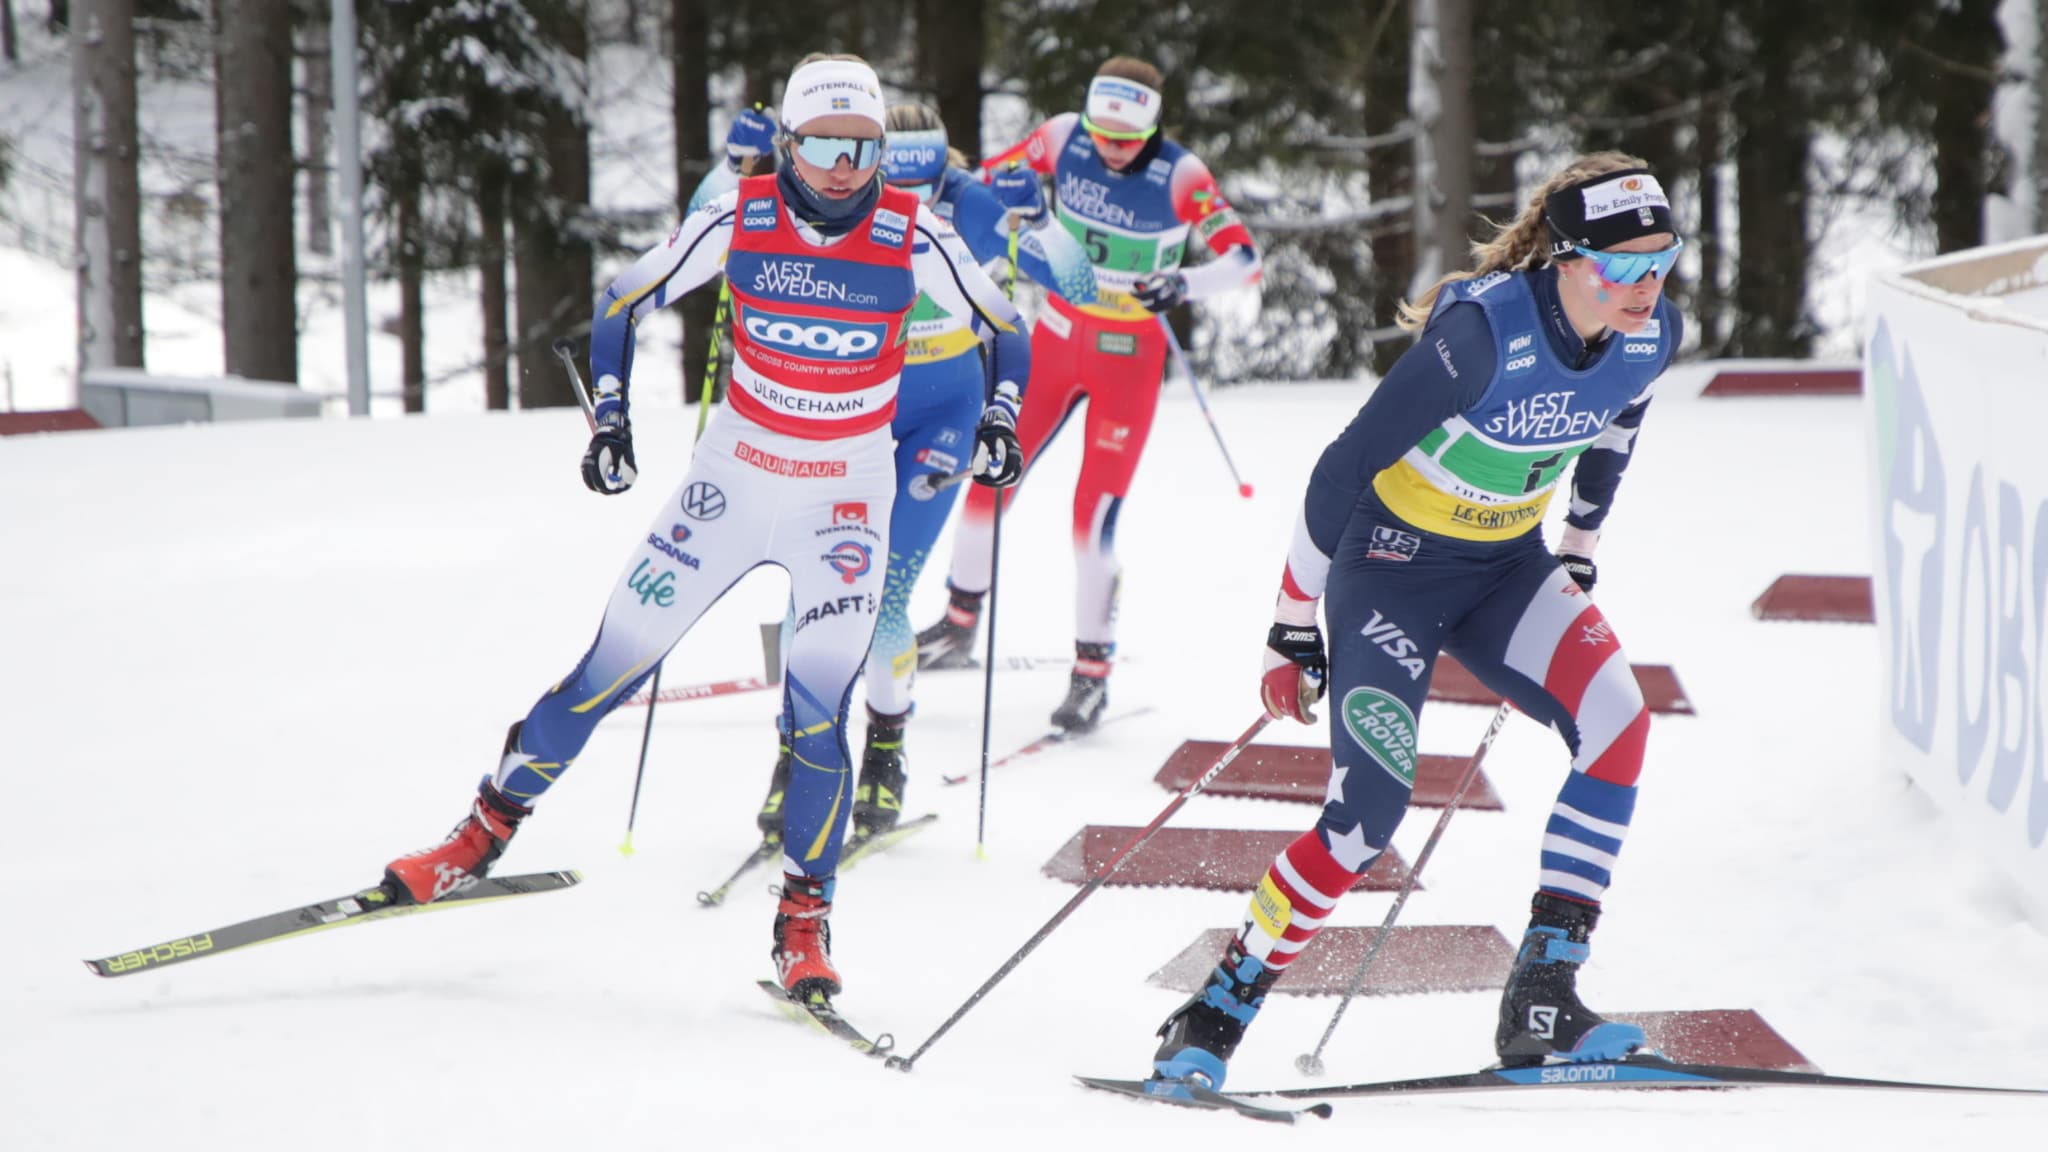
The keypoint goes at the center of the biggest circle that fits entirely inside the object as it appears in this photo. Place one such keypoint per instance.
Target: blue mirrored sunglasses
(1629, 267)
(827, 151)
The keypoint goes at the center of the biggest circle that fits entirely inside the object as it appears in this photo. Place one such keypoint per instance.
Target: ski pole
(904, 1063)
(710, 388)
(565, 349)
(995, 565)
(1202, 399)
(988, 678)
(654, 687)
(640, 773)
(1311, 1063)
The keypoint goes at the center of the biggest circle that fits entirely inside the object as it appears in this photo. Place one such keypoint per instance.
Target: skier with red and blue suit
(1421, 525)
(1133, 200)
(824, 264)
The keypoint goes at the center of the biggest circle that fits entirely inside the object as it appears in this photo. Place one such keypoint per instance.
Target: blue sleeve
(977, 216)
(1446, 371)
(995, 320)
(1046, 252)
(1009, 354)
(1596, 477)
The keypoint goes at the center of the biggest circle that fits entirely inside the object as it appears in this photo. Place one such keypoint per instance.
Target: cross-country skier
(825, 264)
(749, 151)
(1132, 198)
(1422, 526)
(944, 385)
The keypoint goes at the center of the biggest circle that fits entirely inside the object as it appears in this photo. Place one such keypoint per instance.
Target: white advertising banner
(1955, 384)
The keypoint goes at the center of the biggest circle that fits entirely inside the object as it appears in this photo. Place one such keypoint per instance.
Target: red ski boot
(803, 940)
(465, 857)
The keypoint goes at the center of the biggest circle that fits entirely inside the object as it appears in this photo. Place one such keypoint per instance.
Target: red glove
(1295, 672)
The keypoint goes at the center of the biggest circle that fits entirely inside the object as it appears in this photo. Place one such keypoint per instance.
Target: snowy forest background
(1365, 140)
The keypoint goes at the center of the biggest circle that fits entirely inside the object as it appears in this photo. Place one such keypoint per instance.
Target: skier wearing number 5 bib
(1132, 198)
(798, 470)
(1422, 524)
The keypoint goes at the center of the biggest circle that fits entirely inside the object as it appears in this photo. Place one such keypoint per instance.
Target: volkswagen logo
(702, 501)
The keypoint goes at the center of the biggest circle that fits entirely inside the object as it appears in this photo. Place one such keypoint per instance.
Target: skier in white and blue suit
(1422, 524)
(941, 396)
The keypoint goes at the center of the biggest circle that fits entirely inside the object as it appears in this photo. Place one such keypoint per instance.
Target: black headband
(1611, 208)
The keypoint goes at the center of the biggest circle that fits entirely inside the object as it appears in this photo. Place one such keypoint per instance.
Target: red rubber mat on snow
(1453, 683)
(1789, 380)
(1431, 958)
(1838, 599)
(1736, 1036)
(1221, 859)
(54, 420)
(1302, 774)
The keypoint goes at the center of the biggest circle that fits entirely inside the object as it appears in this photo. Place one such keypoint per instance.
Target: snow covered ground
(244, 665)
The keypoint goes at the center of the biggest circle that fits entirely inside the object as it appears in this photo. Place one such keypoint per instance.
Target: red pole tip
(1244, 490)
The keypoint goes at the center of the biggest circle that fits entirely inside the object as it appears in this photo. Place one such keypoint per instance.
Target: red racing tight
(1116, 365)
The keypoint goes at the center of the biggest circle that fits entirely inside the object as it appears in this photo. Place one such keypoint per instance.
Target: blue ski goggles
(827, 151)
(1630, 267)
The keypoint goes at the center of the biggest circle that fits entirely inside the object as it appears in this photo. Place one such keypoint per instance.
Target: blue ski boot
(1202, 1034)
(1541, 1018)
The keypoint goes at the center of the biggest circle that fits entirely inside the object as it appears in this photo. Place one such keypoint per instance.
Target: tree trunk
(1774, 249)
(1456, 134)
(1498, 98)
(1389, 173)
(259, 320)
(108, 221)
(1966, 47)
(551, 249)
(316, 54)
(694, 152)
(951, 40)
(7, 46)
(412, 336)
(1710, 300)
(856, 13)
(490, 255)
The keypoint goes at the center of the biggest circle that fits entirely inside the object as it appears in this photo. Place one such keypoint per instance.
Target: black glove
(998, 458)
(1162, 292)
(1296, 672)
(1580, 569)
(608, 462)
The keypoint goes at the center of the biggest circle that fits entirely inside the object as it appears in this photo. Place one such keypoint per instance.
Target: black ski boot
(950, 642)
(878, 798)
(769, 818)
(1087, 690)
(1541, 1018)
(1198, 1040)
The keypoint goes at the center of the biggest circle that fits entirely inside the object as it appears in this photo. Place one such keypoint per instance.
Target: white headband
(832, 88)
(1115, 98)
